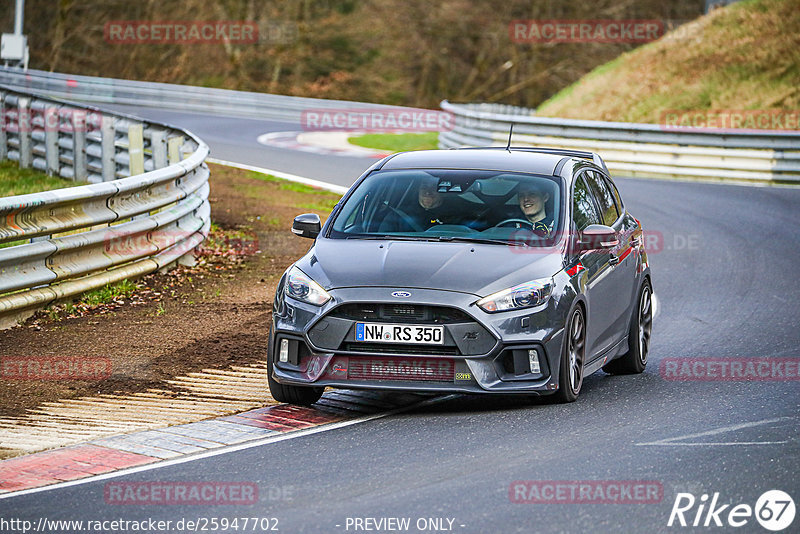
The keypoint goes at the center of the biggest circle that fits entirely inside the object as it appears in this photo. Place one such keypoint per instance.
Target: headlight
(525, 295)
(301, 287)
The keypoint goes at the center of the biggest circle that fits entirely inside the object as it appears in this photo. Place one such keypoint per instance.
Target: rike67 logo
(774, 510)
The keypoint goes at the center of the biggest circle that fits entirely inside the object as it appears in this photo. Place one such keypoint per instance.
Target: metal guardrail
(181, 97)
(145, 208)
(628, 149)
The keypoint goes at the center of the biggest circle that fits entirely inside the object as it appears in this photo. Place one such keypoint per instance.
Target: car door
(626, 268)
(614, 289)
(594, 267)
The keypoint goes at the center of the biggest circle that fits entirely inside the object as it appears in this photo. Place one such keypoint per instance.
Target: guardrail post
(24, 123)
(79, 126)
(3, 125)
(109, 148)
(51, 127)
(158, 144)
(136, 149)
(174, 145)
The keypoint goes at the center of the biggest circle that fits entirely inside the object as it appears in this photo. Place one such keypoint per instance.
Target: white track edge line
(224, 450)
(715, 431)
(340, 189)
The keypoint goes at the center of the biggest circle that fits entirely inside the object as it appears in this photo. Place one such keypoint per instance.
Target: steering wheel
(507, 221)
(406, 218)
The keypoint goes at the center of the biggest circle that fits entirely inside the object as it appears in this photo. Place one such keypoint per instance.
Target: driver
(430, 204)
(532, 201)
(426, 208)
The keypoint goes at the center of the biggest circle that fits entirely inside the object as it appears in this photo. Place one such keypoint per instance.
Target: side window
(604, 197)
(615, 191)
(584, 212)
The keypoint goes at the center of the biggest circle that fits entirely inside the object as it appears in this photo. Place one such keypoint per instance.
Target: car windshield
(435, 204)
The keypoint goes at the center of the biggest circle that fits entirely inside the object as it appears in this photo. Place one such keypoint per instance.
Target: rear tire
(302, 395)
(635, 360)
(570, 375)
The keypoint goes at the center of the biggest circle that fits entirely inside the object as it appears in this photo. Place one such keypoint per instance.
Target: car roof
(477, 159)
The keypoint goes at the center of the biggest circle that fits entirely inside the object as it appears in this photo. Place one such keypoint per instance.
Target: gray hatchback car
(487, 270)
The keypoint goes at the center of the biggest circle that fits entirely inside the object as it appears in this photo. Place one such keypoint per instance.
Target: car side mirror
(597, 237)
(307, 225)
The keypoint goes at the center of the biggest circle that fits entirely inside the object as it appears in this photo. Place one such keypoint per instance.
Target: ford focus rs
(470, 270)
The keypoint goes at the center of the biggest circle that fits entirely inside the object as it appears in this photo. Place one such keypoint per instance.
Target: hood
(479, 269)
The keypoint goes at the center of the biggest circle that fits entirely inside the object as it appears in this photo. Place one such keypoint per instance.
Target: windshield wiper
(482, 240)
(374, 237)
(441, 239)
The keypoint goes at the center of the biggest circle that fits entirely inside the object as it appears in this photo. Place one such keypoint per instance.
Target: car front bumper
(483, 352)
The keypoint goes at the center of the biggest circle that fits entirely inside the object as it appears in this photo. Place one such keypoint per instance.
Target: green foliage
(109, 293)
(286, 185)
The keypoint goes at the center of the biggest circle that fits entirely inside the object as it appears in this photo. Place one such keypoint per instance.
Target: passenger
(533, 203)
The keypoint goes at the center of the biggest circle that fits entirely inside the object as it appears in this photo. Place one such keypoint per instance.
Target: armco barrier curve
(647, 150)
(180, 97)
(145, 208)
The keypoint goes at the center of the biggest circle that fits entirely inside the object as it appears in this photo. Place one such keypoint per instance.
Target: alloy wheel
(645, 323)
(576, 350)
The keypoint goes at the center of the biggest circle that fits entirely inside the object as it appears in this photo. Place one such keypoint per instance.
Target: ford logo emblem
(401, 294)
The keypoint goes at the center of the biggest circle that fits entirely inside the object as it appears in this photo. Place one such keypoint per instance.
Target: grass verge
(15, 181)
(398, 142)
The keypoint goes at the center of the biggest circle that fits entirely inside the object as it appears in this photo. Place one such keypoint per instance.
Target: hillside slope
(744, 56)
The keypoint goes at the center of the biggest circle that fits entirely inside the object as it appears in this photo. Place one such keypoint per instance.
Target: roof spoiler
(594, 157)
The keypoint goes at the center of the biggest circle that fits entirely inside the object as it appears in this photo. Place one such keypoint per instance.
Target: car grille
(400, 313)
(399, 348)
(401, 369)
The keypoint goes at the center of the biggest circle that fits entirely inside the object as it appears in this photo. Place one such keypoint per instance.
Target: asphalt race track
(725, 266)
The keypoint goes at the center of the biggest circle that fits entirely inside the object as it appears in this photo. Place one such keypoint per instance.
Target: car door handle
(613, 259)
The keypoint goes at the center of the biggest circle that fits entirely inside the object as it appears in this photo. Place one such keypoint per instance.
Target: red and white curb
(117, 455)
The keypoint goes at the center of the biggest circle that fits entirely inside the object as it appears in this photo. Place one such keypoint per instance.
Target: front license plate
(400, 333)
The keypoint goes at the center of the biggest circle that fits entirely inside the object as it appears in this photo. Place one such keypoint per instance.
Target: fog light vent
(283, 355)
(533, 361)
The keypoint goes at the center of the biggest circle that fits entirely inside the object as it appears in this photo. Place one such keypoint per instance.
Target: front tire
(635, 360)
(302, 395)
(570, 376)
